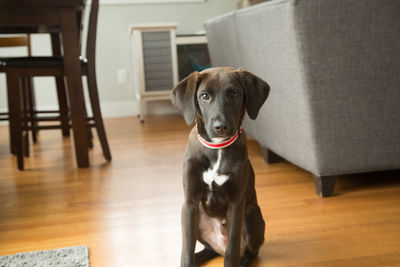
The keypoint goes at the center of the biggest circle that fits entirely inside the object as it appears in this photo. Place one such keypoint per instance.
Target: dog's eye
(205, 96)
(233, 94)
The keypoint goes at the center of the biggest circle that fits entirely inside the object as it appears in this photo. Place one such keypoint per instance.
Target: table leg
(72, 68)
(15, 112)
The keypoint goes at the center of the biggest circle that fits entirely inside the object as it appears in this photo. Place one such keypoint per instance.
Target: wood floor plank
(128, 211)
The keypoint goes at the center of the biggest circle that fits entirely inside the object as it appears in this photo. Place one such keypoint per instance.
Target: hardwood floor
(128, 211)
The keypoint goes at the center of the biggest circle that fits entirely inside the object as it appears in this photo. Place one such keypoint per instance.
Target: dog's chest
(213, 174)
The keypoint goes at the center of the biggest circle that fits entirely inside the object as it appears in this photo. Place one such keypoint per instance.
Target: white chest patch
(212, 174)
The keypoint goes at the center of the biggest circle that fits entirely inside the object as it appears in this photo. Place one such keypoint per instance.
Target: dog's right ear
(183, 97)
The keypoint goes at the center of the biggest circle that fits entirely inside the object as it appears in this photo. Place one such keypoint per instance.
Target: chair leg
(95, 104)
(32, 109)
(63, 106)
(61, 90)
(89, 130)
(90, 135)
(11, 114)
(14, 107)
(324, 185)
(25, 115)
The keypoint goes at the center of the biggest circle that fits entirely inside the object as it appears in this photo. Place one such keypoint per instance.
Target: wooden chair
(61, 115)
(17, 68)
(18, 41)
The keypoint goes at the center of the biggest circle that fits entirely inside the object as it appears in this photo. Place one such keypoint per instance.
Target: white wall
(113, 50)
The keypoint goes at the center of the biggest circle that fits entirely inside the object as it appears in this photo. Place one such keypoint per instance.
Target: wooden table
(18, 16)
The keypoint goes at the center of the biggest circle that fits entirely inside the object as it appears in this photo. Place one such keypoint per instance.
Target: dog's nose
(220, 127)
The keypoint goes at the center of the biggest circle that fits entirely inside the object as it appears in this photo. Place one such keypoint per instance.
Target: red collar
(220, 145)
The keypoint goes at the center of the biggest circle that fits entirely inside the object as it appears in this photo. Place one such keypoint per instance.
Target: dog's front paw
(245, 262)
(230, 263)
(247, 259)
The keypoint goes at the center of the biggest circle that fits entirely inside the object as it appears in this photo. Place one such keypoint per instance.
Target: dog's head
(218, 97)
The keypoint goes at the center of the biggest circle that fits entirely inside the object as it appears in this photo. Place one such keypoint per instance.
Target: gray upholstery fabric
(226, 44)
(333, 67)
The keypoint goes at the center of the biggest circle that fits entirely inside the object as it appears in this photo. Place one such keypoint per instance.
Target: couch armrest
(350, 56)
(265, 44)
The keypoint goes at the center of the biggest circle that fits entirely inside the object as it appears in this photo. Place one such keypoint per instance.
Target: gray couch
(334, 71)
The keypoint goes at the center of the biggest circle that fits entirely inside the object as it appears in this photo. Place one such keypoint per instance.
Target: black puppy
(220, 208)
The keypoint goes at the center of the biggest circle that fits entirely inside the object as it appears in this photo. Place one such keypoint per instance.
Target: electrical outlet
(122, 76)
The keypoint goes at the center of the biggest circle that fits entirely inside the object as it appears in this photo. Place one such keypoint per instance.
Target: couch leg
(269, 156)
(324, 185)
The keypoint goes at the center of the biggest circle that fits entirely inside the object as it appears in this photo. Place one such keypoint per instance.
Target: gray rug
(63, 257)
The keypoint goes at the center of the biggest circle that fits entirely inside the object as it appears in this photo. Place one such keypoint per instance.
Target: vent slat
(157, 61)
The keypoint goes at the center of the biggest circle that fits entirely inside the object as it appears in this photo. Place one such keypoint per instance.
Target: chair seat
(34, 62)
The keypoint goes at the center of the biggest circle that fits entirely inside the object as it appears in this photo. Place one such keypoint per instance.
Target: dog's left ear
(183, 97)
(256, 91)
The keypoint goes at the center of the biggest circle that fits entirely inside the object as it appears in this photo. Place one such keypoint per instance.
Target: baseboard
(130, 108)
(119, 109)
(122, 109)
